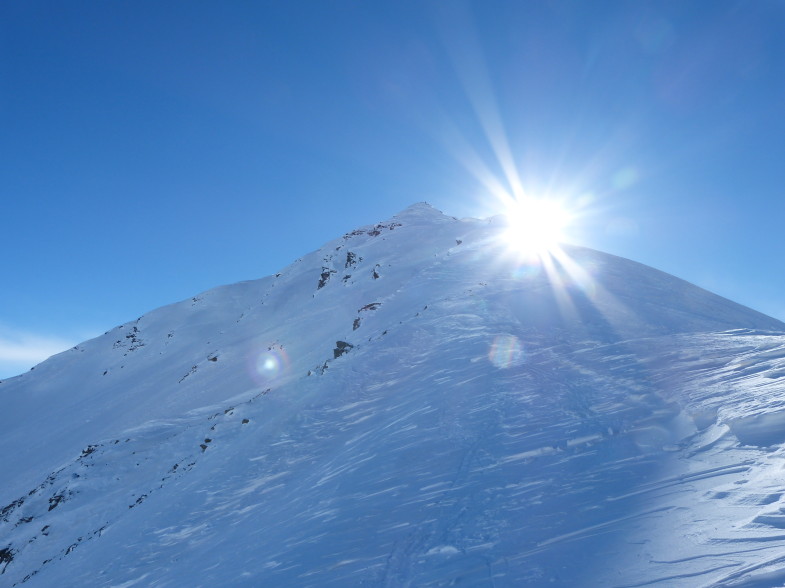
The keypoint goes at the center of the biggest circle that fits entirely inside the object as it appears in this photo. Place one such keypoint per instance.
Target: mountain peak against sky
(420, 211)
(419, 207)
(412, 404)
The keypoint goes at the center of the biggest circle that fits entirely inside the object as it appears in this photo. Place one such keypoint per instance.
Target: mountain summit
(411, 405)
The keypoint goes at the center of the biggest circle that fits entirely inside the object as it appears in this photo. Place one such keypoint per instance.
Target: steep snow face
(410, 405)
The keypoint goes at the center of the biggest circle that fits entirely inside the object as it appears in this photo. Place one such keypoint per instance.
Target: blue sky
(153, 150)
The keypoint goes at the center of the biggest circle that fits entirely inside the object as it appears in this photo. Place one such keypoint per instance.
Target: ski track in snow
(407, 406)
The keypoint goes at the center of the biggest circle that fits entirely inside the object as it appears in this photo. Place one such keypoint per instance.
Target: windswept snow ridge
(410, 405)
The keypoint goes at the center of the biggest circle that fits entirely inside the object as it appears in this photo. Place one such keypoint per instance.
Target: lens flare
(268, 365)
(625, 178)
(506, 351)
(527, 266)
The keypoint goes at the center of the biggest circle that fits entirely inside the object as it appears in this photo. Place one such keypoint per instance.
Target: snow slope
(410, 405)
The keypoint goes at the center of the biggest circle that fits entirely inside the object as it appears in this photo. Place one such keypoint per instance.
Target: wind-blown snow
(410, 405)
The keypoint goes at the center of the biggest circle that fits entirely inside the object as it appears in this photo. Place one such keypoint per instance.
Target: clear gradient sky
(150, 150)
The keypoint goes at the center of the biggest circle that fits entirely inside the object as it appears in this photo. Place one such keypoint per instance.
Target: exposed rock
(351, 259)
(341, 347)
(55, 500)
(325, 277)
(6, 557)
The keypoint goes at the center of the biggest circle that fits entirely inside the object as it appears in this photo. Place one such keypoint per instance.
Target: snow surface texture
(411, 405)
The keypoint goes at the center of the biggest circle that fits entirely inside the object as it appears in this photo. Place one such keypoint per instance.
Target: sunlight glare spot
(536, 225)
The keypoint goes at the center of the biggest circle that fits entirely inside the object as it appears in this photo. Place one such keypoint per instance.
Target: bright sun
(536, 225)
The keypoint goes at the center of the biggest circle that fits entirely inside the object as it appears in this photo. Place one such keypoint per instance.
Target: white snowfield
(411, 405)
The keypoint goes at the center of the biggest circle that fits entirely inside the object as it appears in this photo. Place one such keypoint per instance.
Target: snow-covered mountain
(410, 405)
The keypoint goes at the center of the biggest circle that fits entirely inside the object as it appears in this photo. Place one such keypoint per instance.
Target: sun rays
(546, 198)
